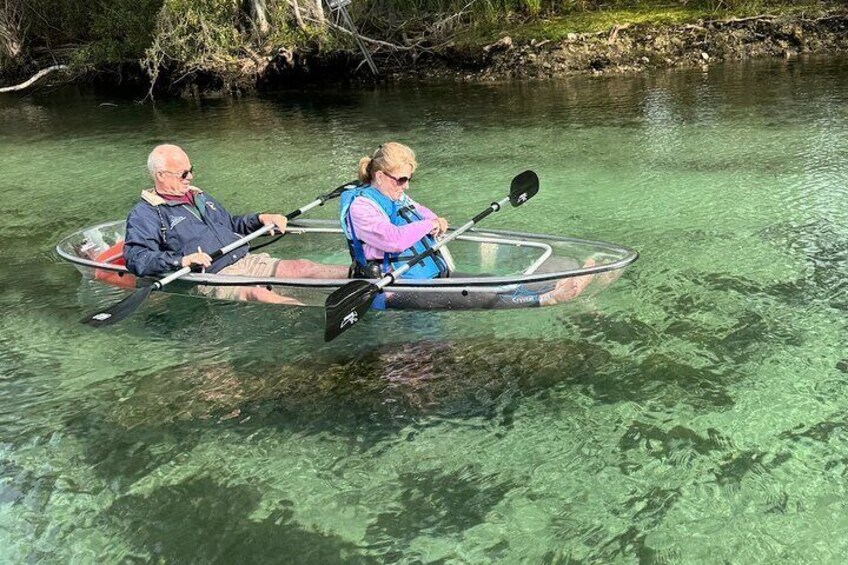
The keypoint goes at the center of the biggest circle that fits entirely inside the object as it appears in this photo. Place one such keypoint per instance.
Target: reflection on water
(693, 412)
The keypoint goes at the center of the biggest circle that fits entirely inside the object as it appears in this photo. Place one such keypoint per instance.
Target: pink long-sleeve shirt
(380, 236)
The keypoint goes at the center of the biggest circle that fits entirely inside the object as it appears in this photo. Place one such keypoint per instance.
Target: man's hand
(199, 258)
(277, 220)
(440, 226)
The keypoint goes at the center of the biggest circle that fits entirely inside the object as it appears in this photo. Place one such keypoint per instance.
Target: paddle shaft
(444, 253)
(391, 277)
(238, 243)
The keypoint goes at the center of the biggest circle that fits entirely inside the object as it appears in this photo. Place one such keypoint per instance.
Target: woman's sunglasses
(399, 180)
(183, 175)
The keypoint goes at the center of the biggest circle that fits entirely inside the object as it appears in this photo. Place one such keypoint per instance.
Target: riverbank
(601, 42)
(635, 47)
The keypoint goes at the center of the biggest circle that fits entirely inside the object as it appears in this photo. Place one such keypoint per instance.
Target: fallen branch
(35, 77)
(767, 17)
(440, 25)
(393, 46)
(614, 33)
(825, 18)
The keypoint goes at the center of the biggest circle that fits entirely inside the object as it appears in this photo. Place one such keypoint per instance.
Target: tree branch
(258, 10)
(11, 29)
(393, 46)
(297, 16)
(35, 77)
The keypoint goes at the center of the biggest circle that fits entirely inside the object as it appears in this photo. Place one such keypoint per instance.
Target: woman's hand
(277, 220)
(440, 226)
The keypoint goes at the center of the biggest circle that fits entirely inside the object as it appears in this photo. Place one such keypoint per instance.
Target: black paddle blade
(346, 306)
(524, 187)
(119, 311)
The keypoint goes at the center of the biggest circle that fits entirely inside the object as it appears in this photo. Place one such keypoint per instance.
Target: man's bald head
(170, 168)
(162, 156)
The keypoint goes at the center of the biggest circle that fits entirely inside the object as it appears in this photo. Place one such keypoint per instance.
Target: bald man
(178, 225)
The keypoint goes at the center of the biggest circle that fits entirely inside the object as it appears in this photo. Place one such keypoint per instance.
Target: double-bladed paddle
(130, 304)
(346, 306)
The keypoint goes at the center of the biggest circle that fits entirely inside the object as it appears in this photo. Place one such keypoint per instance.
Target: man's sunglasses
(183, 175)
(399, 180)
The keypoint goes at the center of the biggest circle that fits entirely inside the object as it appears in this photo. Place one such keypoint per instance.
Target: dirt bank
(634, 48)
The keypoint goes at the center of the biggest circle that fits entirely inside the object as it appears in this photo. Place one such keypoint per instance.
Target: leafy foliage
(219, 36)
(196, 32)
(114, 29)
(215, 36)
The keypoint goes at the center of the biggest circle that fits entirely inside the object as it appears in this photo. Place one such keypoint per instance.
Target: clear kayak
(491, 268)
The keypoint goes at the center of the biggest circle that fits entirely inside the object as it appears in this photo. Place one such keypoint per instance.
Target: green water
(695, 412)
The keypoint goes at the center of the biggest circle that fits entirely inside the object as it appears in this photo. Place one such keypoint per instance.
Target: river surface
(694, 412)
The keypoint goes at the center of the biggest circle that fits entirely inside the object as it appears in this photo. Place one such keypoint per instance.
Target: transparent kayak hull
(492, 268)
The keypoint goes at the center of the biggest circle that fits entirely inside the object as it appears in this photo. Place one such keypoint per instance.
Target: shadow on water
(372, 400)
(742, 326)
(824, 247)
(438, 504)
(223, 528)
(367, 398)
(373, 396)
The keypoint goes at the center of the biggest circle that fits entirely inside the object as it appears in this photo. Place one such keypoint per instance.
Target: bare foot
(606, 279)
(569, 288)
(259, 294)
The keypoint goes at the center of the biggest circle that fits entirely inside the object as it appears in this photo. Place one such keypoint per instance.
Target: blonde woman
(383, 225)
(385, 228)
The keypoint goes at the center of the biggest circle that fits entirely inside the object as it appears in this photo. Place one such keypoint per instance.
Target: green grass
(557, 28)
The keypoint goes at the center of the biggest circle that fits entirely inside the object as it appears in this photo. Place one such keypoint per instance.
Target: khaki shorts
(254, 265)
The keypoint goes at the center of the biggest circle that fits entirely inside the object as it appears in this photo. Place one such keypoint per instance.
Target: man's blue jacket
(160, 233)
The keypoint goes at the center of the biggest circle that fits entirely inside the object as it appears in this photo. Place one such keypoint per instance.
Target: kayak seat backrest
(114, 256)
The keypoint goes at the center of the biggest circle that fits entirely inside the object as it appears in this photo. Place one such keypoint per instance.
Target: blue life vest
(399, 213)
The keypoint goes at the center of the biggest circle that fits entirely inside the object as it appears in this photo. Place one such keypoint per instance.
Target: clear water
(695, 412)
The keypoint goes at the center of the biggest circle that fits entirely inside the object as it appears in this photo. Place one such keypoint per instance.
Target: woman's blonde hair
(388, 157)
